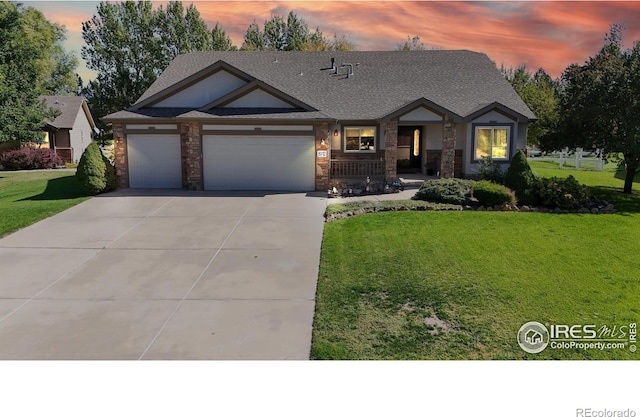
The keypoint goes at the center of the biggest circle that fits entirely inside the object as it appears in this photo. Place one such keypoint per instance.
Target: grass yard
(28, 197)
(476, 277)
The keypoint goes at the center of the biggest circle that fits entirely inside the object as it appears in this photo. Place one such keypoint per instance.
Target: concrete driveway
(164, 275)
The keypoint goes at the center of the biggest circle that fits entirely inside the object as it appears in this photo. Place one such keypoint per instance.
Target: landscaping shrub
(521, 179)
(490, 171)
(490, 194)
(110, 173)
(451, 191)
(565, 193)
(29, 158)
(95, 173)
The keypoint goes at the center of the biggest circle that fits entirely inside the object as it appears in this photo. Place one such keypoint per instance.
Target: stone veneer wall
(390, 130)
(191, 150)
(434, 156)
(447, 163)
(322, 164)
(120, 155)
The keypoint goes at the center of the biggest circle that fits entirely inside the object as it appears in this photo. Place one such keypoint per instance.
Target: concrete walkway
(164, 275)
(402, 195)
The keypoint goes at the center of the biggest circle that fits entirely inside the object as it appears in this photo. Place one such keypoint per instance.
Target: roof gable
(500, 108)
(69, 107)
(257, 94)
(258, 98)
(208, 83)
(203, 91)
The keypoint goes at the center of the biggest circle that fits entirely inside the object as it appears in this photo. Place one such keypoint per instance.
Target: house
(71, 131)
(309, 120)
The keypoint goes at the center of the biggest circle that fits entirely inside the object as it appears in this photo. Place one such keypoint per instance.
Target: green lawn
(483, 273)
(28, 197)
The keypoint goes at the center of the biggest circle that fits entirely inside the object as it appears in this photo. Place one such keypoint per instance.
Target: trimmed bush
(565, 193)
(490, 194)
(521, 179)
(95, 173)
(450, 191)
(110, 173)
(29, 158)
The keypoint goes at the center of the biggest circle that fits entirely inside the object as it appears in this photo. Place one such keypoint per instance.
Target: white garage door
(154, 161)
(259, 163)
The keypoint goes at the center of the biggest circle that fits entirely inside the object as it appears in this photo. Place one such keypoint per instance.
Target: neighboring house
(309, 120)
(72, 131)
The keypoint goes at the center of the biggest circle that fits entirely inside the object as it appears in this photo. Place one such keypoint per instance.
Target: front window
(493, 142)
(360, 139)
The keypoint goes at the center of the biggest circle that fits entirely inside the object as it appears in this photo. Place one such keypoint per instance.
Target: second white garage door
(258, 163)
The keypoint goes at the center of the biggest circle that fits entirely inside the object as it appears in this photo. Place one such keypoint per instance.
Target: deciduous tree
(292, 34)
(130, 43)
(600, 105)
(32, 63)
(412, 44)
(541, 93)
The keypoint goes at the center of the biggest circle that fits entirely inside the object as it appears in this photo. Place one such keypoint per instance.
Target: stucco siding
(421, 114)
(259, 99)
(204, 91)
(492, 116)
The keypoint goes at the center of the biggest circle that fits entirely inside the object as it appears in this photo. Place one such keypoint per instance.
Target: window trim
(474, 141)
(375, 139)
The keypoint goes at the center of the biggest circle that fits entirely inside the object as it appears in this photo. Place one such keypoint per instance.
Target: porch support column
(447, 163)
(390, 130)
(191, 150)
(120, 155)
(322, 156)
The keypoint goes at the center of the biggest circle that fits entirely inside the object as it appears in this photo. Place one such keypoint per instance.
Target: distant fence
(579, 160)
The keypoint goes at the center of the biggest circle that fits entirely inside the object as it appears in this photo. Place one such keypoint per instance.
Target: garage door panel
(259, 163)
(154, 161)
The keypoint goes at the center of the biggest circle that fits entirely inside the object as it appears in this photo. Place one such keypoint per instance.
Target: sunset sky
(546, 34)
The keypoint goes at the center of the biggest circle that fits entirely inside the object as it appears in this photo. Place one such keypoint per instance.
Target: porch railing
(374, 168)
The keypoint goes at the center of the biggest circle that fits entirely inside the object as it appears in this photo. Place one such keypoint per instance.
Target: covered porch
(402, 147)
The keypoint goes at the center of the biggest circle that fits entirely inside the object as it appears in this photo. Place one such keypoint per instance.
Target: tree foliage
(412, 44)
(130, 43)
(600, 104)
(541, 93)
(220, 41)
(32, 63)
(290, 34)
(520, 178)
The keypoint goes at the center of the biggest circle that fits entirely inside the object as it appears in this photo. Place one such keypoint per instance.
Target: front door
(409, 148)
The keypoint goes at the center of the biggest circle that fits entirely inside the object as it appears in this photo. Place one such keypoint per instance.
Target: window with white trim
(492, 141)
(360, 139)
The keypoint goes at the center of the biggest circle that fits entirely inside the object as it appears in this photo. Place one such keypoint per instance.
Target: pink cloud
(544, 34)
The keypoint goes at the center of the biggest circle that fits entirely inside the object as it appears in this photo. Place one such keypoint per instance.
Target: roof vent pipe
(346, 64)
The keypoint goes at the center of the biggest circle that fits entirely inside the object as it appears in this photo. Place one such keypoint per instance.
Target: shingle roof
(68, 106)
(383, 81)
